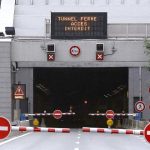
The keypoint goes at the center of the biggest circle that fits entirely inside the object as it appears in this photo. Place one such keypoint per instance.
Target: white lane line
(78, 137)
(76, 148)
(77, 142)
(3, 128)
(12, 139)
(148, 132)
(79, 134)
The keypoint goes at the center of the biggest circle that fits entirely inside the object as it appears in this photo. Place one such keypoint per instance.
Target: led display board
(68, 25)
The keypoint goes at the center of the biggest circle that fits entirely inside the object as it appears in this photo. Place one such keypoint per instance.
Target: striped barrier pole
(116, 114)
(48, 114)
(40, 129)
(113, 131)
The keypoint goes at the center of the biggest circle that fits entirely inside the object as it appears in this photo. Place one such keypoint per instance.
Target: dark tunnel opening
(86, 90)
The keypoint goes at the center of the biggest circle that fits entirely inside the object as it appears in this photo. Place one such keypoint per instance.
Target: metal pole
(140, 79)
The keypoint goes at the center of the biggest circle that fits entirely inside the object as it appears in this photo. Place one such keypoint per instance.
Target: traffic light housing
(100, 47)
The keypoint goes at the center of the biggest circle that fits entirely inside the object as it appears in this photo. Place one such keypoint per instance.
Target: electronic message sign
(68, 25)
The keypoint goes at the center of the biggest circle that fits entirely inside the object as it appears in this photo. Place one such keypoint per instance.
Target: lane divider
(113, 131)
(40, 129)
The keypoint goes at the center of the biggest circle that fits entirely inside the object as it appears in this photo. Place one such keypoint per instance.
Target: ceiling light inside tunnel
(42, 88)
(105, 96)
(115, 91)
(85, 102)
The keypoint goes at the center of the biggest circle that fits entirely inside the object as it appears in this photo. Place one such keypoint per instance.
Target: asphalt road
(76, 140)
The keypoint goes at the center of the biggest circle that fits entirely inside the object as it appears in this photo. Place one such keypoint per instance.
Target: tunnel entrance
(85, 90)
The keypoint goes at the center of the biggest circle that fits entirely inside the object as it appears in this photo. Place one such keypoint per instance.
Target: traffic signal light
(50, 48)
(100, 47)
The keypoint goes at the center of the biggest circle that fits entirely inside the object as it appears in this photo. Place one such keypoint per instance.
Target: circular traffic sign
(110, 122)
(5, 127)
(139, 106)
(74, 50)
(57, 114)
(36, 122)
(147, 133)
(110, 114)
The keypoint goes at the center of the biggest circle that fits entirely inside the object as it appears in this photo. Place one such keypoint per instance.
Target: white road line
(3, 128)
(12, 139)
(77, 142)
(76, 148)
(78, 137)
(148, 132)
(79, 134)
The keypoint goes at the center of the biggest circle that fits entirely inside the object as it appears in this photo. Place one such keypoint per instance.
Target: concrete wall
(6, 14)
(134, 89)
(146, 92)
(5, 80)
(119, 11)
(128, 53)
(25, 76)
(30, 22)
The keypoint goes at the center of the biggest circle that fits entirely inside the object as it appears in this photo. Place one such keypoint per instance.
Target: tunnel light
(42, 88)
(85, 102)
(105, 96)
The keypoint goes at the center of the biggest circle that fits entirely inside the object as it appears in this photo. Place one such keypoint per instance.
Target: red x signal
(99, 55)
(50, 56)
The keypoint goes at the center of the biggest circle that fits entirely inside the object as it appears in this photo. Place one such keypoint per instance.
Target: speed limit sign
(139, 106)
(74, 50)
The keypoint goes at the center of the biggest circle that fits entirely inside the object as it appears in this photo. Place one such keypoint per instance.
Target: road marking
(7, 141)
(77, 142)
(79, 134)
(148, 132)
(3, 128)
(76, 148)
(78, 137)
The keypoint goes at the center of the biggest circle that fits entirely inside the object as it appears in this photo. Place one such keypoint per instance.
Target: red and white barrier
(49, 114)
(113, 131)
(116, 114)
(40, 129)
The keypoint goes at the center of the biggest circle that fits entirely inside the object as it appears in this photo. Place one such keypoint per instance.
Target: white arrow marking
(3, 128)
(148, 132)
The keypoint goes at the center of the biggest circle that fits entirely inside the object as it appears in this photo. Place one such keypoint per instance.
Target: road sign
(5, 128)
(19, 91)
(110, 114)
(74, 50)
(57, 114)
(99, 55)
(50, 56)
(110, 122)
(36, 122)
(139, 106)
(147, 133)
